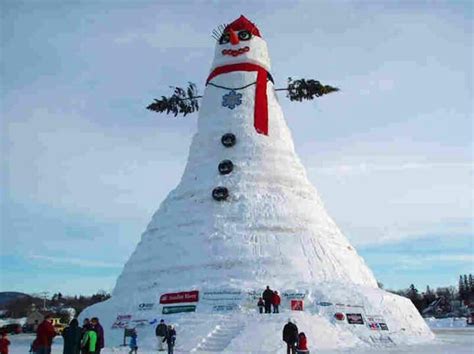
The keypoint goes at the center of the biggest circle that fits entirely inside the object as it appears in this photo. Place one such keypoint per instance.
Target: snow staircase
(220, 337)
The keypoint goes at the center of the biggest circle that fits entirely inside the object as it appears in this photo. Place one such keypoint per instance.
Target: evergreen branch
(302, 89)
(186, 101)
(182, 101)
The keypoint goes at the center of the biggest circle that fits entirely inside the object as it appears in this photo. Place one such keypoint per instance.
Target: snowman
(245, 215)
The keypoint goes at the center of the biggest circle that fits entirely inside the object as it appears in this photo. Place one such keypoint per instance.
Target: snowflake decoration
(232, 99)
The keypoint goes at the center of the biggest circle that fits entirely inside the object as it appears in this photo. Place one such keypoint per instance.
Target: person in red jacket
(302, 347)
(276, 300)
(4, 343)
(44, 335)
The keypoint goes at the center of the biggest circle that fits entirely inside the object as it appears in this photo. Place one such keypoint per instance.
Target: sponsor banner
(296, 305)
(376, 323)
(185, 296)
(221, 295)
(167, 310)
(373, 326)
(324, 303)
(349, 305)
(354, 318)
(374, 318)
(226, 307)
(122, 321)
(146, 306)
(357, 306)
(293, 295)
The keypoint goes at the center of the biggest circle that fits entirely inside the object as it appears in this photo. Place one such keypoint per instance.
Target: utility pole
(44, 295)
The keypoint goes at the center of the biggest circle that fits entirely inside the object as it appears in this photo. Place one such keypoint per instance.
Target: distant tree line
(443, 300)
(20, 307)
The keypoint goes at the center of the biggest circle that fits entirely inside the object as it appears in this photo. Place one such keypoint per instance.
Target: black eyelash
(217, 32)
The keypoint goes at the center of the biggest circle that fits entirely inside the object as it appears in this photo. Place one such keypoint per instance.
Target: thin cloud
(76, 261)
(366, 168)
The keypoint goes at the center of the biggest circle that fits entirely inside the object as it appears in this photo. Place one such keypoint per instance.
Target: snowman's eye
(244, 35)
(224, 39)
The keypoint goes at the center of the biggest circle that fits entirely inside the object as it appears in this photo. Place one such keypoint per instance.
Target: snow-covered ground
(448, 340)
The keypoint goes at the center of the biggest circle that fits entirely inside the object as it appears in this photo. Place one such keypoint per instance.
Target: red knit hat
(242, 23)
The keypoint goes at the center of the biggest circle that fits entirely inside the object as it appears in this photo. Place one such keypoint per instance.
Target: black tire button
(220, 193)
(226, 167)
(228, 140)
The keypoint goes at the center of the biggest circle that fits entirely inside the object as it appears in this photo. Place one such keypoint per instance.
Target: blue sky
(84, 165)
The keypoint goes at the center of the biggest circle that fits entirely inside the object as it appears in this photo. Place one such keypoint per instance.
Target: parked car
(12, 328)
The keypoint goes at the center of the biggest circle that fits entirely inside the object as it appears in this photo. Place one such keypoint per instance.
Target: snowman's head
(241, 43)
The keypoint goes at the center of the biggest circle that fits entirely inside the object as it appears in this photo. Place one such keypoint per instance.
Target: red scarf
(260, 121)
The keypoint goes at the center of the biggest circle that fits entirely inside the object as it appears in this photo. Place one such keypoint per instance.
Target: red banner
(185, 296)
(296, 305)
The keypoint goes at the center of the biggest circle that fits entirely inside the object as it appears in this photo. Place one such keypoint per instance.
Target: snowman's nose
(234, 38)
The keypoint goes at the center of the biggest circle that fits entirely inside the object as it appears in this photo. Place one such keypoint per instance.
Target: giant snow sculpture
(244, 216)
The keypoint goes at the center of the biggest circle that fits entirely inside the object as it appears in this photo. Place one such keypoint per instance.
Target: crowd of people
(269, 299)
(296, 343)
(88, 339)
(165, 333)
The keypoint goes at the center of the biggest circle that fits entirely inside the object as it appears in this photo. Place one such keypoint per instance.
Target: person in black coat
(170, 339)
(72, 338)
(267, 298)
(290, 336)
(160, 333)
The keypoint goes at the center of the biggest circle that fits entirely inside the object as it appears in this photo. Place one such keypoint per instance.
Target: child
(34, 346)
(302, 347)
(133, 343)
(260, 305)
(4, 343)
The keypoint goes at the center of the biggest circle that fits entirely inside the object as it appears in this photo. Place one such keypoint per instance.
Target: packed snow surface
(448, 341)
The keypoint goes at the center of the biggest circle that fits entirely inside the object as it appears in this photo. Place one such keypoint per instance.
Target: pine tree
(471, 284)
(461, 288)
(466, 285)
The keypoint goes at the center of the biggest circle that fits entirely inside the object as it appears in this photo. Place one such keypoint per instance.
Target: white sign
(146, 306)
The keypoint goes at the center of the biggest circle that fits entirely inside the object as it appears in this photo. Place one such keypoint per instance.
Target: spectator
(290, 336)
(276, 300)
(160, 333)
(86, 324)
(44, 336)
(267, 298)
(100, 334)
(170, 339)
(4, 343)
(260, 305)
(133, 343)
(302, 347)
(89, 341)
(72, 338)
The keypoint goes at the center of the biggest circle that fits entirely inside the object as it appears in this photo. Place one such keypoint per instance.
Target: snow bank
(7, 321)
(452, 322)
